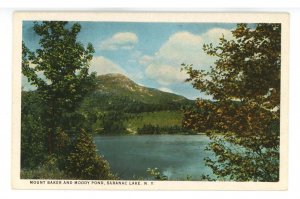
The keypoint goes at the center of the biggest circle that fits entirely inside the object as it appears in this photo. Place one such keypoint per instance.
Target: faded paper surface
(19, 17)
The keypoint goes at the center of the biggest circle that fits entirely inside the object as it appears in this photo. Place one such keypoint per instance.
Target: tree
(84, 162)
(242, 119)
(33, 133)
(113, 122)
(59, 71)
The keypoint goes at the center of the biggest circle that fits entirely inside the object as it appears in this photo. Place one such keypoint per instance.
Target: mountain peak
(115, 79)
(115, 75)
(119, 84)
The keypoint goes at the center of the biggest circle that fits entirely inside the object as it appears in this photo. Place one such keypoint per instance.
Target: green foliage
(33, 135)
(47, 170)
(118, 93)
(206, 178)
(159, 118)
(120, 106)
(167, 120)
(121, 85)
(154, 129)
(156, 174)
(84, 162)
(51, 119)
(113, 122)
(243, 119)
(59, 71)
(243, 164)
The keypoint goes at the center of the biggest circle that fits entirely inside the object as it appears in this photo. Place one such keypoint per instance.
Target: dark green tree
(33, 135)
(113, 122)
(84, 162)
(243, 118)
(59, 71)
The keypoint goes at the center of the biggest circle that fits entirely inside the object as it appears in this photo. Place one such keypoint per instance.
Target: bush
(84, 162)
(47, 170)
(156, 174)
(33, 136)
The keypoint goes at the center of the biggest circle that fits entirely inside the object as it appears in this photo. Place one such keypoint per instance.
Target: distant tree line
(151, 129)
(112, 102)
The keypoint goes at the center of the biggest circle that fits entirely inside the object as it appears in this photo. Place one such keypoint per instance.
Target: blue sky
(151, 54)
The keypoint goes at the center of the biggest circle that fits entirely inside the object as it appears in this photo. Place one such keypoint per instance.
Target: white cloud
(121, 40)
(213, 35)
(165, 74)
(102, 65)
(181, 47)
(165, 89)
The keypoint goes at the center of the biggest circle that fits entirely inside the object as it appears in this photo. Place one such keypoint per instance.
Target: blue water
(176, 156)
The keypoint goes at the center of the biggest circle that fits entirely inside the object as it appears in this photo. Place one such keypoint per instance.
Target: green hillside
(119, 105)
(121, 85)
(160, 119)
(117, 92)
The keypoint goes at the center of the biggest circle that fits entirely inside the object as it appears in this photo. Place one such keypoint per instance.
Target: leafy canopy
(59, 71)
(243, 117)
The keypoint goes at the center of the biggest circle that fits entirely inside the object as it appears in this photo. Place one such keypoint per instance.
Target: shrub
(84, 162)
(47, 170)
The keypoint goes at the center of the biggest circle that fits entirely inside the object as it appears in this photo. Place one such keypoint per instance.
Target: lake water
(176, 156)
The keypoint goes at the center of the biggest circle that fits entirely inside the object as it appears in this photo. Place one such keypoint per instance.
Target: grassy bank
(160, 119)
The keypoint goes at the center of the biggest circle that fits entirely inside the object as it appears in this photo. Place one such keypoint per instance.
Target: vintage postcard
(150, 101)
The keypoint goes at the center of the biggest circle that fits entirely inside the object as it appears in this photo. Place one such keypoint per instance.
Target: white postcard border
(250, 17)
